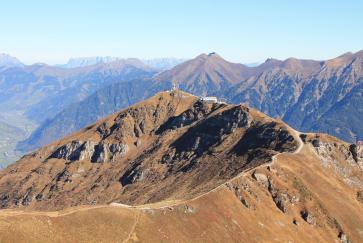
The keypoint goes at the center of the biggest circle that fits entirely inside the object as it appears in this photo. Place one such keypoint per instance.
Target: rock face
(357, 154)
(91, 151)
(331, 153)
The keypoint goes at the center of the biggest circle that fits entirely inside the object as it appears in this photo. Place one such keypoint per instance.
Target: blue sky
(240, 31)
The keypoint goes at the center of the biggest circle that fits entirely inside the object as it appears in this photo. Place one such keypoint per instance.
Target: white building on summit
(209, 99)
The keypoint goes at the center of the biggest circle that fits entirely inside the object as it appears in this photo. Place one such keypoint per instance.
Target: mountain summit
(205, 74)
(173, 161)
(172, 138)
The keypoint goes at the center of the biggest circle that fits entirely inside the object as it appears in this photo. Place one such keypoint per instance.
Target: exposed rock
(261, 178)
(295, 222)
(281, 200)
(354, 150)
(134, 174)
(357, 154)
(189, 209)
(360, 196)
(307, 217)
(98, 153)
(238, 192)
(343, 238)
(329, 153)
(71, 151)
(88, 150)
(303, 137)
(243, 201)
(138, 143)
(103, 130)
(316, 143)
(28, 197)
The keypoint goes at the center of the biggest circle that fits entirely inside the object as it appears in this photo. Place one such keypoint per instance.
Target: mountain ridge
(173, 161)
(278, 88)
(160, 64)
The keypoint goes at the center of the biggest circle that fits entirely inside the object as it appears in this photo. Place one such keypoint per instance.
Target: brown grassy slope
(246, 209)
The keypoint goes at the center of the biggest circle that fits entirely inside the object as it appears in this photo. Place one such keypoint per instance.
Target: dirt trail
(130, 235)
(15, 212)
(301, 143)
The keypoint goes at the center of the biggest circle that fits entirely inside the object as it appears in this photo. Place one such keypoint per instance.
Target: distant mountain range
(87, 61)
(163, 64)
(36, 93)
(41, 91)
(309, 95)
(160, 64)
(9, 61)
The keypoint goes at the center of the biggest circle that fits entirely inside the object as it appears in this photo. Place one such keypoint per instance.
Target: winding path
(137, 217)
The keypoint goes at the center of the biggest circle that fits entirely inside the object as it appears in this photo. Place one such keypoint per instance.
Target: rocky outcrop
(280, 198)
(330, 154)
(343, 238)
(360, 196)
(357, 154)
(91, 151)
(307, 216)
(261, 178)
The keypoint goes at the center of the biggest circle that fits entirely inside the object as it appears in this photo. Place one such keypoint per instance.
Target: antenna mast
(175, 85)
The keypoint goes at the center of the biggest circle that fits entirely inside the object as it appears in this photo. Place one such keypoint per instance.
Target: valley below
(14, 128)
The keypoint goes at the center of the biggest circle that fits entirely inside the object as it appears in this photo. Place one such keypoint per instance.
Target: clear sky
(240, 31)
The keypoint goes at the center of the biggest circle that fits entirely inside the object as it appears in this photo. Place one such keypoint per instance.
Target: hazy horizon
(240, 31)
(248, 63)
